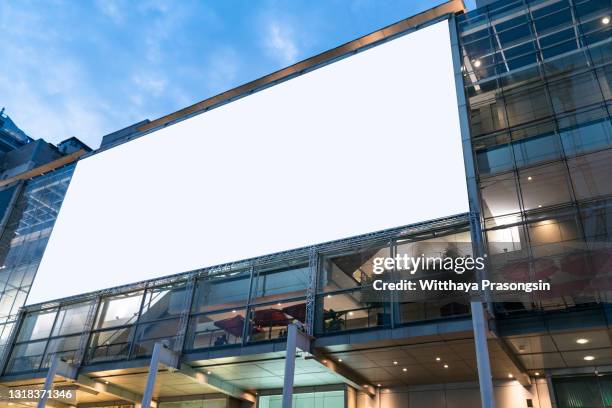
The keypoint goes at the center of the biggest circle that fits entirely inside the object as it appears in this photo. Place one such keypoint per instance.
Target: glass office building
(26, 232)
(535, 97)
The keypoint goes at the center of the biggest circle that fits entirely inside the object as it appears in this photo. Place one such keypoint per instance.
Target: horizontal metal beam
(215, 382)
(70, 373)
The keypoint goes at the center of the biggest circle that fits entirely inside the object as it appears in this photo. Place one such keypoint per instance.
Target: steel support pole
(551, 391)
(482, 355)
(153, 367)
(289, 365)
(49, 382)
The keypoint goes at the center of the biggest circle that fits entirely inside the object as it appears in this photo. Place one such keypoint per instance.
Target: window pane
(499, 195)
(26, 357)
(113, 344)
(64, 347)
(350, 270)
(591, 174)
(507, 243)
(494, 159)
(577, 392)
(148, 334)
(526, 105)
(216, 329)
(433, 309)
(222, 292)
(587, 137)
(574, 92)
(164, 302)
(347, 311)
(281, 284)
(270, 322)
(554, 234)
(71, 319)
(119, 310)
(537, 149)
(543, 186)
(597, 221)
(37, 325)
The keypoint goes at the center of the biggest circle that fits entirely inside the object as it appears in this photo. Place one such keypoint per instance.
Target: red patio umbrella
(270, 317)
(232, 325)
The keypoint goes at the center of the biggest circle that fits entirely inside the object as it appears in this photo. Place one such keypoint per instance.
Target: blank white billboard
(363, 144)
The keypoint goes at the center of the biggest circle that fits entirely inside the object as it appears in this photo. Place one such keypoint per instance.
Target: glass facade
(22, 241)
(232, 306)
(538, 83)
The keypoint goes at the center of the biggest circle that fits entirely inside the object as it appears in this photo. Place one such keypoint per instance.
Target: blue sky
(87, 68)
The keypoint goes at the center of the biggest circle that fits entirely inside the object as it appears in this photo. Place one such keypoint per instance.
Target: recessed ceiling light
(105, 382)
(536, 373)
(605, 20)
(438, 359)
(339, 360)
(208, 372)
(395, 363)
(529, 178)
(510, 376)
(278, 303)
(378, 385)
(445, 365)
(404, 369)
(589, 358)
(350, 313)
(540, 206)
(477, 63)
(233, 311)
(582, 341)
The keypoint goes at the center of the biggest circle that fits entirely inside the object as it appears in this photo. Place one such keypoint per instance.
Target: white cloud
(112, 9)
(153, 84)
(280, 43)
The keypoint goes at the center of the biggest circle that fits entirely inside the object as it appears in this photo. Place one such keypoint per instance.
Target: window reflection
(119, 310)
(163, 302)
(222, 291)
(586, 137)
(591, 174)
(37, 325)
(281, 283)
(350, 270)
(72, 319)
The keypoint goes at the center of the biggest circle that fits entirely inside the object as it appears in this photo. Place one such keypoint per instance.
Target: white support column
(153, 367)
(49, 382)
(482, 355)
(290, 365)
